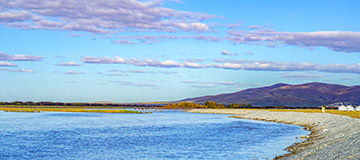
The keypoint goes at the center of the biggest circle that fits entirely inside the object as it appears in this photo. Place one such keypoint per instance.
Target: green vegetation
(19, 109)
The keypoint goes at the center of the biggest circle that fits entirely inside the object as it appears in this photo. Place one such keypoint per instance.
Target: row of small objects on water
(142, 109)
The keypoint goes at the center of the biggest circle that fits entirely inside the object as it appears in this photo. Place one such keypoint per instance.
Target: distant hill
(309, 94)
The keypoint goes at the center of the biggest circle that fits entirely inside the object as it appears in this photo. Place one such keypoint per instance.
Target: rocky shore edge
(332, 136)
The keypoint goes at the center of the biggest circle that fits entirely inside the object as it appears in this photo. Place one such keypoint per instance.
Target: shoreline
(332, 136)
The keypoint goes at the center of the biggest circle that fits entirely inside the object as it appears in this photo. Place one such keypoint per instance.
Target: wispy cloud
(74, 72)
(100, 16)
(225, 52)
(231, 64)
(19, 57)
(202, 86)
(7, 64)
(114, 70)
(139, 71)
(248, 53)
(18, 70)
(301, 76)
(255, 27)
(122, 42)
(145, 62)
(345, 78)
(199, 84)
(105, 60)
(167, 72)
(286, 66)
(116, 74)
(194, 82)
(226, 83)
(68, 64)
(232, 26)
(151, 39)
(76, 35)
(342, 41)
(127, 83)
(59, 56)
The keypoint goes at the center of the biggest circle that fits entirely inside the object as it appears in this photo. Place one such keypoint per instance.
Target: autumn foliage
(206, 105)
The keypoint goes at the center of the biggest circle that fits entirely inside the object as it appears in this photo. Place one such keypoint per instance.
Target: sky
(166, 50)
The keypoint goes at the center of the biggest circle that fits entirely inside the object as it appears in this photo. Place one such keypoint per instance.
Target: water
(161, 135)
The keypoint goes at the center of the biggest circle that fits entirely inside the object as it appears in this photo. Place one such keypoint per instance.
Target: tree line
(206, 105)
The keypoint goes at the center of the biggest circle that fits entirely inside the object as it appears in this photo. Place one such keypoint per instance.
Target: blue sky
(141, 51)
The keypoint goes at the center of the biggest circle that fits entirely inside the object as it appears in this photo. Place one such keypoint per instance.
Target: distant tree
(220, 106)
(243, 105)
(234, 105)
(210, 104)
(249, 105)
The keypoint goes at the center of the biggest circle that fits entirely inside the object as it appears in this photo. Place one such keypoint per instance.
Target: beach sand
(332, 136)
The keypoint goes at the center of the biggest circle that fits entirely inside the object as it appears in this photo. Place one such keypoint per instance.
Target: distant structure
(339, 104)
(348, 108)
(342, 108)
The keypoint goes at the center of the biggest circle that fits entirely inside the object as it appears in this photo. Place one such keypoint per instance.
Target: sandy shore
(332, 136)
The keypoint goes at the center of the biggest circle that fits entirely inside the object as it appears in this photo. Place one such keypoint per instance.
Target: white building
(350, 108)
(342, 108)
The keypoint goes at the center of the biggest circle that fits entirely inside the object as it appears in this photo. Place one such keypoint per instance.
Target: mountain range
(309, 94)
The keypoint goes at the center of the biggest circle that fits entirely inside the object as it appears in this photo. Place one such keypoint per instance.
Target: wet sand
(332, 136)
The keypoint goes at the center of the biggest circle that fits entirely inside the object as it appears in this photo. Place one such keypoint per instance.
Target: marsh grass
(18, 109)
(352, 114)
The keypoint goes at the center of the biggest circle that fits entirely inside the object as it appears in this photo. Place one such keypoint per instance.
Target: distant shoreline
(332, 136)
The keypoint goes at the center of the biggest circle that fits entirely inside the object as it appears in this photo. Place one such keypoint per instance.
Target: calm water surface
(161, 135)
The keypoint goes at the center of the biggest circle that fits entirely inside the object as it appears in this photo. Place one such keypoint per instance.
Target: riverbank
(37, 110)
(332, 136)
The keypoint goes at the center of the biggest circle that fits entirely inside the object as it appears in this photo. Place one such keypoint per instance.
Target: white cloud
(7, 64)
(19, 57)
(105, 60)
(286, 66)
(301, 76)
(187, 64)
(138, 71)
(127, 83)
(342, 41)
(225, 52)
(14, 16)
(150, 39)
(202, 86)
(232, 64)
(68, 64)
(74, 72)
(122, 42)
(232, 26)
(18, 70)
(99, 16)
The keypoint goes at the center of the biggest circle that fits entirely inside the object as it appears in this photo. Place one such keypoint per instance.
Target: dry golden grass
(352, 114)
(65, 110)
